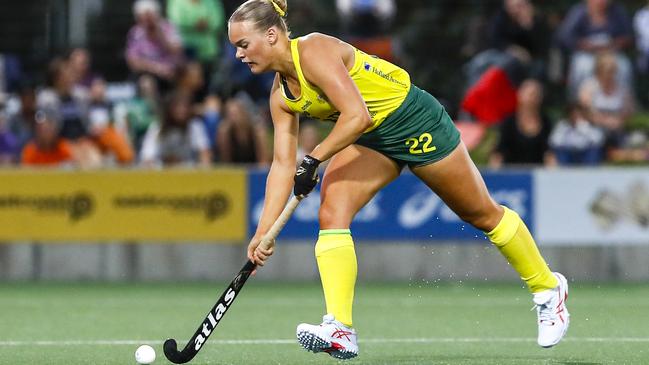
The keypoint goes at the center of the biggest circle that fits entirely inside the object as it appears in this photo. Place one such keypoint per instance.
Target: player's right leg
(352, 178)
(458, 182)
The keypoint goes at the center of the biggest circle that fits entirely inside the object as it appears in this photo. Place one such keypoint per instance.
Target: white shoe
(330, 336)
(553, 317)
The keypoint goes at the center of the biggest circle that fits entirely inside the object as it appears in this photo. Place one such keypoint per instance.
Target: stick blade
(170, 348)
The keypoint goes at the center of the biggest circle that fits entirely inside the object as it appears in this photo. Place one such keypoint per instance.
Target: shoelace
(545, 313)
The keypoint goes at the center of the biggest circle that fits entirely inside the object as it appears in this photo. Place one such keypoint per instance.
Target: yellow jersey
(382, 85)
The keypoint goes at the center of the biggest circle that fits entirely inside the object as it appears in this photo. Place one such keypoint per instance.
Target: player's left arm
(323, 65)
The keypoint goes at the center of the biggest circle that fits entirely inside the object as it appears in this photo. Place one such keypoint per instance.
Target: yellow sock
(336, 258)
(515, 242)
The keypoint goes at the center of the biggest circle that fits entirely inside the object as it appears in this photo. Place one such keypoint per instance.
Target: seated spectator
(576, 141)
(524, 136)
(179, 139)
(212, 119)
(609, 105)
(8, 141)
(153, 45)
(241, 138)
(493, 81)
(21, 123)
(47, 147)
(190, 82)
(201, 24)
(79, 63)
(110, 141)
(73, 113)
(641, 25)
(607, 101)
(519, 27)
(590, 27)
(142, 110)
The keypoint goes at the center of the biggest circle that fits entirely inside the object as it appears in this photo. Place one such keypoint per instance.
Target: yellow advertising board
(169, 205)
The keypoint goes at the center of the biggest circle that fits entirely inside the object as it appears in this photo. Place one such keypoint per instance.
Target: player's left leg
(458, 182)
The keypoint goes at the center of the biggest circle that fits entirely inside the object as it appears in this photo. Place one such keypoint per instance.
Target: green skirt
(418, 133)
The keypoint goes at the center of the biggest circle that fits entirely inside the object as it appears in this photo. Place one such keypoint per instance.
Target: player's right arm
(279, 184)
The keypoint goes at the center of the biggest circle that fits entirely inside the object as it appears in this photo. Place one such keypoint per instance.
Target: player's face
(252, 46)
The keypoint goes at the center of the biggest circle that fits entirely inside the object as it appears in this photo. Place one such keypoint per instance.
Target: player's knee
(484, 218)
(331, 215)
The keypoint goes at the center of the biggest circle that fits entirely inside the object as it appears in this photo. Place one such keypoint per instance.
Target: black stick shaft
(225, 301)
(211, 320)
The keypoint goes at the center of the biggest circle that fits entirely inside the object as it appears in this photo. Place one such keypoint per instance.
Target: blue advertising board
(404, 210)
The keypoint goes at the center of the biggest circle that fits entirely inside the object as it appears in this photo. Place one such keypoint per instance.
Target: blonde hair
(263, 13)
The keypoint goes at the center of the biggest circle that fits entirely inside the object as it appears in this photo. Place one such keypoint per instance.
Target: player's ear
(272, 35)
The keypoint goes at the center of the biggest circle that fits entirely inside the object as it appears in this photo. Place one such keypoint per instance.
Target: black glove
(306, 176)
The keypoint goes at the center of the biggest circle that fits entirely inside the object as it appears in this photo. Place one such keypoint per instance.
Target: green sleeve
(175, 14)
(216, 17)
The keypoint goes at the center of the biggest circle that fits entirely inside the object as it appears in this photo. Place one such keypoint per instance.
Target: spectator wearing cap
(47, 147)
(153, 44)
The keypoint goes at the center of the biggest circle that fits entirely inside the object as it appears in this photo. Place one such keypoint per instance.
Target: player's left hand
(306, 176)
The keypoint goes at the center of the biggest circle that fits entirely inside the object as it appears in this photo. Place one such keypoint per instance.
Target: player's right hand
(257, 254)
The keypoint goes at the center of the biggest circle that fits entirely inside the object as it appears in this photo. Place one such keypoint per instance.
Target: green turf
(458, 324)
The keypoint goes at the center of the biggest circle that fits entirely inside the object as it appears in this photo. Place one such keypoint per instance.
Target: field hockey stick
(225, 301)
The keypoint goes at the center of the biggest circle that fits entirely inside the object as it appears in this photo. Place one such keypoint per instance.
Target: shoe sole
(562, 279)
(314, 343)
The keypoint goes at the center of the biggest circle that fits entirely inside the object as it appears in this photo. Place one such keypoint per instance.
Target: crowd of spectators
(189, 102)
(172, 111)
(597, 83)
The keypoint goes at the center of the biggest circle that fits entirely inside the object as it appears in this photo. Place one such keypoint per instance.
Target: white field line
(291, 341)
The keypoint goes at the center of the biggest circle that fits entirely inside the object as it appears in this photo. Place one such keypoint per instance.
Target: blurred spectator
(142, 110)
(608, 102)
(519, 27)
(307, 139)
(21, 123)
(190, 82)
(241, 138)
(61, 96)
(234, 76)
(594, 26)
(79, 63)
(212, 120)
(73, 113)
(493, 78)
(641, 25)
(47, 147)
(111, 142)
(153, 44)
(179, 139)
(201, 24)
(609, 105)
(524, 136)
(8, 141)
(366, 18)
(576, 141)
(10, 74)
